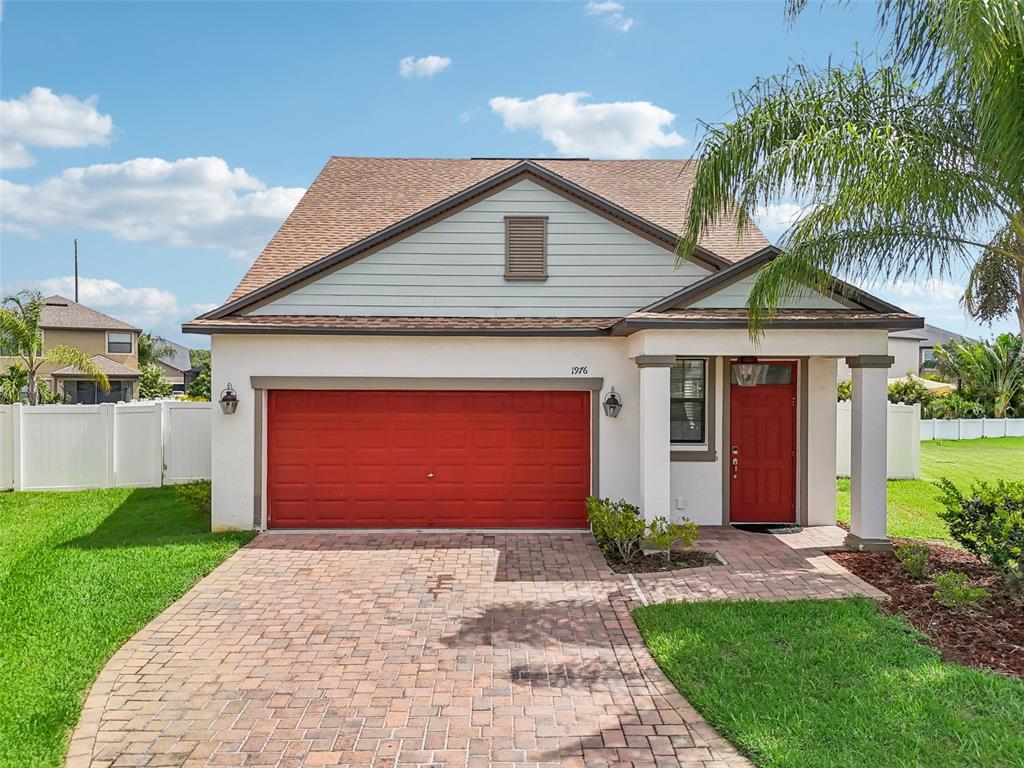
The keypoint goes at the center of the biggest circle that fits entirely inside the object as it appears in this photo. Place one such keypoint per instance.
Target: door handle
(735, 468)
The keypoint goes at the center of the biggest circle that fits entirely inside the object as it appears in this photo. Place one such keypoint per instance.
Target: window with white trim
(688, 407)
(119, 342)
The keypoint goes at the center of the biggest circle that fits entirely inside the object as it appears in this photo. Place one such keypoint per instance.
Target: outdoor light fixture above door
(747, 371)
(612, 403)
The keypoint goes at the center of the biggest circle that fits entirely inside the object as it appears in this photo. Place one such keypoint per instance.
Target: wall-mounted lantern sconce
(747, 371)
(612, 403)
(228, 399)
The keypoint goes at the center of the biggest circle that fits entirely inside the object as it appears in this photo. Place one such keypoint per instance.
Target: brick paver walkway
(424, 650)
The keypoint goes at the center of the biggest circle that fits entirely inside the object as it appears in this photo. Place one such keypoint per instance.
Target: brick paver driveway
(409, 649)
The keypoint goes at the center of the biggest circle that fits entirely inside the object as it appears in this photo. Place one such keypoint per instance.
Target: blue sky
(174, 137)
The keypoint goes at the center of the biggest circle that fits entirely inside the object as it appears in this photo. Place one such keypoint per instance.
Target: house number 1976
(579, 370)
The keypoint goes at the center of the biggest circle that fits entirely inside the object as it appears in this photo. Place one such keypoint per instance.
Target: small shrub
(199, 389)
(954, 590)
(911, 392)
(953, 406)
(196, 495)
(989, 523)
(844, 391)
(617, 526)
(915, 558)
(662, 535)
(152, 384)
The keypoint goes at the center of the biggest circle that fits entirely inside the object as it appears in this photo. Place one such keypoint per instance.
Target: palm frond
(64, 356)
(889, 172)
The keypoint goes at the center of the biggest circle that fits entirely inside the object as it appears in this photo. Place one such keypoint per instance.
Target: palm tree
(996, 286)
(152, 348)
(990, 371)
(13, 381)
(22, 337)
(901, 168)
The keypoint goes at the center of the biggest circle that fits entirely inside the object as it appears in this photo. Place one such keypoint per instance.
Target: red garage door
(414, 459)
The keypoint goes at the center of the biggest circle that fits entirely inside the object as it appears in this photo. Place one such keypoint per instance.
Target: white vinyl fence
(71, 447)
(970, 429)
(903, 442)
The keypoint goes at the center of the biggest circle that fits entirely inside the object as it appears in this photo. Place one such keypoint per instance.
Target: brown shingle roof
(59, 312)
(356, 197)
(105, 364)
(386, 324)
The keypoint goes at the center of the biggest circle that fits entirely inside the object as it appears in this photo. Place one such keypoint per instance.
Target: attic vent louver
(526, 247)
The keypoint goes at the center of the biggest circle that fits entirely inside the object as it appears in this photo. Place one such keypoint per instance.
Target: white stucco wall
(906, 354)
(821, 441)
(698, 484)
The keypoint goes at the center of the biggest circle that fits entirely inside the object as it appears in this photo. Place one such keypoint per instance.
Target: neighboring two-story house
(483, 343)
(112, 344)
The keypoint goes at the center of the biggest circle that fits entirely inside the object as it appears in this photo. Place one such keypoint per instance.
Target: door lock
(430, 474)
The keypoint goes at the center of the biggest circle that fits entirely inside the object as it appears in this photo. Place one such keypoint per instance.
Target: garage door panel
(363, 459)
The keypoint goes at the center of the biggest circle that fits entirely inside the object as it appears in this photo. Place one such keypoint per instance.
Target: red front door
(762, 448)
(416, 459)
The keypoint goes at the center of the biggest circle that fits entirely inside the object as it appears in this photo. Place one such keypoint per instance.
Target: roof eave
(627, 326)
(321, 331)
(753, 262)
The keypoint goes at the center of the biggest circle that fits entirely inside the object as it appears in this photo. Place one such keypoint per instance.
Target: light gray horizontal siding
(456, 267)
(735, 295)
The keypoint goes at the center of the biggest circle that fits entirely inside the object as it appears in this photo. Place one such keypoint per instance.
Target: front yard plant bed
(80, 573)
(655, 562)
(833, 684)
(990, 637)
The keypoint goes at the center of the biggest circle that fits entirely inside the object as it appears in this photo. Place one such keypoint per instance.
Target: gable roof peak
(61, 312)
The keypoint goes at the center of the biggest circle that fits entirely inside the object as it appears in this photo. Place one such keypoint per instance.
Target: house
(484, 342)
(174, 363)
(111, 343)
(930, 337)
(912, 351)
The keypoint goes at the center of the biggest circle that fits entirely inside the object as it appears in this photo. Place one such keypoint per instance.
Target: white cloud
(143, 307)
(426, 66)
(775, 219)
(41, 118)
(620, 129)
(151, 309)
(194, 202)
(612, 13)
(933, 288)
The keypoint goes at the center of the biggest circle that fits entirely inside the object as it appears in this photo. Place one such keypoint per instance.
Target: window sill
(699, 454)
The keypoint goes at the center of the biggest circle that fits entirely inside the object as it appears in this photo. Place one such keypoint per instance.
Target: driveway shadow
(586, 623)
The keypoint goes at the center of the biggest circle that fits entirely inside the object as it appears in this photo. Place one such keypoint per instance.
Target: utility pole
(76, 270)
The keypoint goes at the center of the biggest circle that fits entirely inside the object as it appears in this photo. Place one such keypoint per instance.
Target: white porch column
(868, 515)
(655, 457)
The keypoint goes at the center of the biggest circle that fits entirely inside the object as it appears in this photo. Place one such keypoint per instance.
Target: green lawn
(914, 504)
(833, 684)
(80, 572)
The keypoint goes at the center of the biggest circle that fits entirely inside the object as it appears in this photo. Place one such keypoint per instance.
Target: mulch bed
(992, 637)
(654, 563)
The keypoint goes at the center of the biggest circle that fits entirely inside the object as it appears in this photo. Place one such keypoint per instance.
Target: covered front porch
(737, 432)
